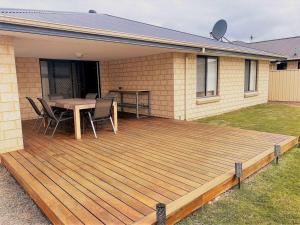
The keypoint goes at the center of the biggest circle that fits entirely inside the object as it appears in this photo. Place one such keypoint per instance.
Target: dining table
(77, 104)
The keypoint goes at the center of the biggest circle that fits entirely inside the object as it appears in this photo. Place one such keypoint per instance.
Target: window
(67, 78)
(250, 75)
(298, 65)
(207, 76)
(281, 65)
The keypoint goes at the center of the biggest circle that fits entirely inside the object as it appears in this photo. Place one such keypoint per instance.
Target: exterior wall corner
(11, 137)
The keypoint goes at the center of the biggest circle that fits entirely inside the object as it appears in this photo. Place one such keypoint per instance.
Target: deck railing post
(277, 152)
(161, 214)
(238, 172)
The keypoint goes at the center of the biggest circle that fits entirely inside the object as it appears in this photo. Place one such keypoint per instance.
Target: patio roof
(115, 29)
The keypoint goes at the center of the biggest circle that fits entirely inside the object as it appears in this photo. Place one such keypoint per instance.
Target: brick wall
(231, 87)
(29, 82)
(154, 73)
(164, 75)
(171, 78)
(10, 120)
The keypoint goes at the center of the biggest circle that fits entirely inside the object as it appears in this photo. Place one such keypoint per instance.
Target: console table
(137, 105)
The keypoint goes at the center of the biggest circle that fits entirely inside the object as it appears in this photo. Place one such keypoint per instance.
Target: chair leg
(83, 123)
(41, 123)
(112, 124)
(35, 123)
(49, 122)
(57, 122)
(92, 123)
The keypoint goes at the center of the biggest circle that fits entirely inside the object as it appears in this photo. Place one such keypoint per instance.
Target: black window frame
(298, 64)
(256, 75)
(278, 64)
(205, 76)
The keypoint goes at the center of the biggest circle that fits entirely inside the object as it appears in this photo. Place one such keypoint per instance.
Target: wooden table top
(71, 103)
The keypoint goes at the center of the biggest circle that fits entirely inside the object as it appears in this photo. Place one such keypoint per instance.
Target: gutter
(244, 55)
(86, 36)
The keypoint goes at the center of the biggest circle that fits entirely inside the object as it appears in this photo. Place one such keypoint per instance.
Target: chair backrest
(36, 109)
(103, 108)
(47, 109)
(91, 96)
(111, 95)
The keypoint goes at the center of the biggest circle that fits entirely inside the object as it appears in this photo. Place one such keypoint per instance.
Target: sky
(262, 19)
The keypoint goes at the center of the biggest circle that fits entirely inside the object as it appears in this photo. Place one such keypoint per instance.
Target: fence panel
(284, 85)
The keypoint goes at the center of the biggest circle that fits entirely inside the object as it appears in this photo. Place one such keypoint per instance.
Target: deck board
(118, 179)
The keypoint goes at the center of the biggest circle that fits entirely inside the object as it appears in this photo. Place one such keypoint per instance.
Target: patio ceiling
(41, 46)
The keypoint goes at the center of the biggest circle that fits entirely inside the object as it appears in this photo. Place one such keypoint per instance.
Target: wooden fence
(284, 85)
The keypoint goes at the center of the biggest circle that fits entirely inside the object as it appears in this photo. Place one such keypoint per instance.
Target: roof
(104, 22)
(288, 47)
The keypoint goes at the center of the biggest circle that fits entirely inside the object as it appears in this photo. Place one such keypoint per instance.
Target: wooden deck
(118, 179)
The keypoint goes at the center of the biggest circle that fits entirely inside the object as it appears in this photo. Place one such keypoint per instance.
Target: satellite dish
(219, 30)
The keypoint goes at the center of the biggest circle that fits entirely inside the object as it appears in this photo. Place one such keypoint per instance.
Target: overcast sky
(263, 19)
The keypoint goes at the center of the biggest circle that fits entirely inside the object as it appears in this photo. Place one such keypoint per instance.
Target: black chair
(111, 95)
(91, 96)
(40, 114)
(102, 112)
(63, 116)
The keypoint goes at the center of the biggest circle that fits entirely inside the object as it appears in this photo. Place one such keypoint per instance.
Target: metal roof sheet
(117, 24)
(288, 47)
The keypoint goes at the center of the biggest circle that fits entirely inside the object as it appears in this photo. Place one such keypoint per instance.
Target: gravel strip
(16, 207)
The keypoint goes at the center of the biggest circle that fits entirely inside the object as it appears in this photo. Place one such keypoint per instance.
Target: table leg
(149, 104)
(115, 114)
(77, 126)
(137, 105)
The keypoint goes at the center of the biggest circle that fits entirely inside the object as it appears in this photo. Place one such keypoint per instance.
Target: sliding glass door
(69, 79)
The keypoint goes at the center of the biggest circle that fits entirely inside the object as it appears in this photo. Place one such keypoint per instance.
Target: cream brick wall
(231, 87)
(164, 75)
(29, 82)
(10, 119)
(154, 73)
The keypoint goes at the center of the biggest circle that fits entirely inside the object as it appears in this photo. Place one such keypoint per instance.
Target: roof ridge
(19, 10)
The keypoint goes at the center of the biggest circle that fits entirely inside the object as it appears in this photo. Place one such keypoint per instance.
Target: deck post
(161, 214)
(238, 172)
(277, 151)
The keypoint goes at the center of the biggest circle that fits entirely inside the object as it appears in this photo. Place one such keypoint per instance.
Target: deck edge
(33, 194)
(185, 205)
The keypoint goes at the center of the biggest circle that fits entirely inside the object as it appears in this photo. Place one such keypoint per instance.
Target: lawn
(273, 195)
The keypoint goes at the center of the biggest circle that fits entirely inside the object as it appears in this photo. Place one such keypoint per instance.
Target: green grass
(274, 118)
(273, 195)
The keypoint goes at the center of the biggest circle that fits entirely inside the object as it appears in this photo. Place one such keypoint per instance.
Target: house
(189, 76)
(284, 74)
(153, 162)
